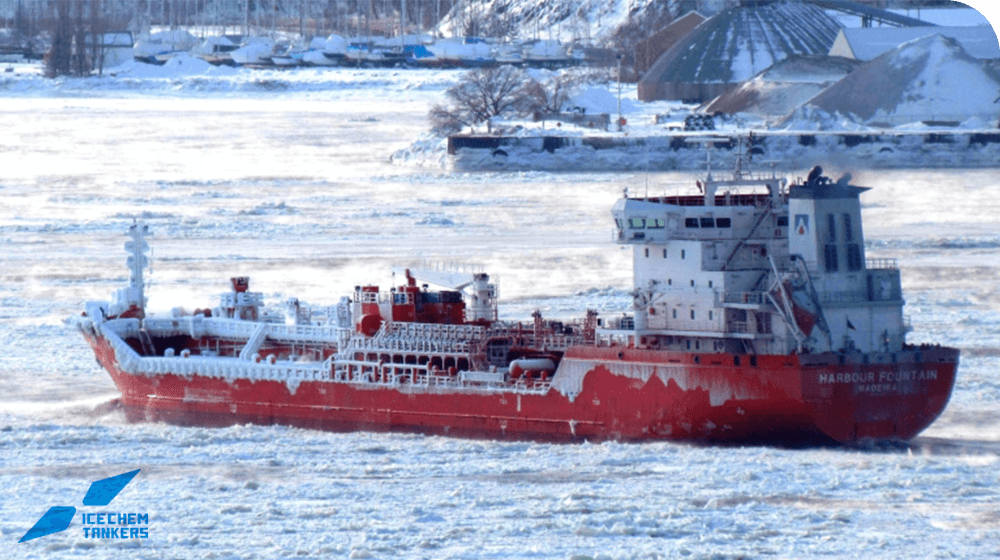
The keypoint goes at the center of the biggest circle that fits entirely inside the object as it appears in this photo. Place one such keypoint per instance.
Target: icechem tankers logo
(103, 525)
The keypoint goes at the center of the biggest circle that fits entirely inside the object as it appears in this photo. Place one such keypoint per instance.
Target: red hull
(598, 394)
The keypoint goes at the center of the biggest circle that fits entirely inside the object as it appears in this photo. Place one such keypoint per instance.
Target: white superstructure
(754, 266)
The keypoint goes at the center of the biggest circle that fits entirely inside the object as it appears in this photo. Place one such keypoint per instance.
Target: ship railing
(420, 346)
(535, 386)
(234, 329)
(746, 327)
(281, 333)
(227, 368)
(554, 341)
(125, 328)
(438, 380)
(433, 331)
(684, 325)
(195, 327)
(527, 334)
(367, 372)
(755, 298)
(741, 327)
(113, 331)
(619, 338)
(642, 236)
(483, 377)
(881, 263)
(381, 373)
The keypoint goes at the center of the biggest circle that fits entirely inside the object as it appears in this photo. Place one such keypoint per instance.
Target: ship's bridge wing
(643, 221)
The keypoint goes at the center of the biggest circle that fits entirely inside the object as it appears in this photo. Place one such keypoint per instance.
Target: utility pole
(619, 57)
(402, 23)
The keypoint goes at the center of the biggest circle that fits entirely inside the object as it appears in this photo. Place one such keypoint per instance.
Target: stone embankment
(787, 150)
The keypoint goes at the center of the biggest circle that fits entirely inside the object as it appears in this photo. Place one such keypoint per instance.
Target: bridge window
(682, 254)
(655, 223)
(853, 256)
(637, 223)
(664, 253)
(848, 231)
(710, 314)
(619, 223)
(691, 222)
(831, 228)
(707, 222)
(723, 222)
(830, 252)
(692, 313)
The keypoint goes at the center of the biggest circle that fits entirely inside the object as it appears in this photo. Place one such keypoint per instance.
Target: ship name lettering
(884, 377)
(856, 377)
(907, 375)
(877, 388)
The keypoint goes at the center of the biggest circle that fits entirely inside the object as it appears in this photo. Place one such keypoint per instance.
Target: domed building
(735, 45)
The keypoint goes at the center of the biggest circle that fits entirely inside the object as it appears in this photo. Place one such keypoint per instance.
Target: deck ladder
(254, 342)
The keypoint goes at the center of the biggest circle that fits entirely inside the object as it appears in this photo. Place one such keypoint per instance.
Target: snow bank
(599, 99)
(177, 66)
(430, 150)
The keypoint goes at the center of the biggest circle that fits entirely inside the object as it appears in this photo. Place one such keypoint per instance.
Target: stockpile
(784, 87)
(929, 79)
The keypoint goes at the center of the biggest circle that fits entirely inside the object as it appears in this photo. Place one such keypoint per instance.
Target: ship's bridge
(721, 212)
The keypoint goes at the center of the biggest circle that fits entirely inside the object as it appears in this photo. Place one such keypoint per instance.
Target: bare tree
(79, 39)
(550, 94)
(446, 119)
(482, 94)
(24, 29)
(58, 61)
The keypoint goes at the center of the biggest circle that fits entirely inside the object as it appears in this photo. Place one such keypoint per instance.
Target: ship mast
(136, 247)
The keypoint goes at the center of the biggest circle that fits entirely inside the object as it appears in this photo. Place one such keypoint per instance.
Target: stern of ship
(869, 398)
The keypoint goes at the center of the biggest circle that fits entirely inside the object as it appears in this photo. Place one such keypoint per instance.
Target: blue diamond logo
(55, 520)
(103, 491)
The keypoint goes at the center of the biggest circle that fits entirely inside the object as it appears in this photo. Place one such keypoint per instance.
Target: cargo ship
(756, 318)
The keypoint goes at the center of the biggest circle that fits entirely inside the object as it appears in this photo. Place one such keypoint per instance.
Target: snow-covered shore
(648, 141)
(283, 176)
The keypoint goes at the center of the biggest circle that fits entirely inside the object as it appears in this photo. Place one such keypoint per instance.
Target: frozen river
(292, 185)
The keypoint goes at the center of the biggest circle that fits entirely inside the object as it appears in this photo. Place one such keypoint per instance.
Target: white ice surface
(285, 178)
